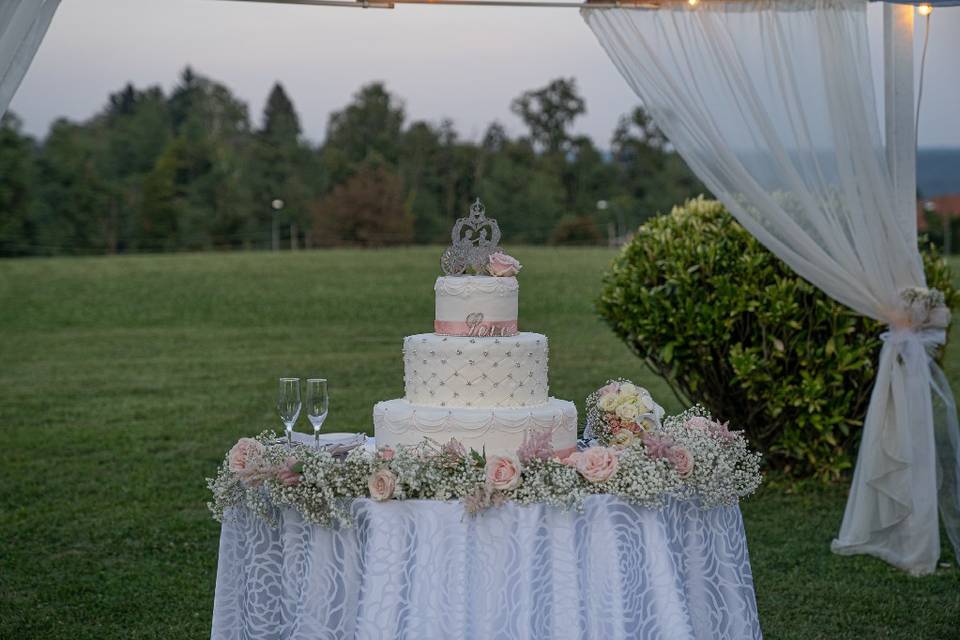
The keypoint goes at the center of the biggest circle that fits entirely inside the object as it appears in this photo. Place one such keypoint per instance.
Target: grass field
(124, 380)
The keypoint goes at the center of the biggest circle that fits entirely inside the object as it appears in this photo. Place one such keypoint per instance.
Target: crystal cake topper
(473, 240)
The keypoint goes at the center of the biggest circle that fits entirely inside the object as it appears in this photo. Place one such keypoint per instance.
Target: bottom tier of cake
(498, 430)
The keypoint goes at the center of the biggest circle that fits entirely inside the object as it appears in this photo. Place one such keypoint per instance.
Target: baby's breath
(724, 470)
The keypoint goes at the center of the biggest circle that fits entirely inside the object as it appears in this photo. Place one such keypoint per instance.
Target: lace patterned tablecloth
(424, 570)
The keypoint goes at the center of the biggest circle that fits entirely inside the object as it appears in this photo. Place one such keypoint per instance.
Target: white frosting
(499, 430)
(458, 371)
(461, 297)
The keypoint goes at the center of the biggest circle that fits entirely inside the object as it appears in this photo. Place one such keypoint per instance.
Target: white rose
(608, 402)
(648, 405)
(628, 411)
(628, 389)
(644, 401)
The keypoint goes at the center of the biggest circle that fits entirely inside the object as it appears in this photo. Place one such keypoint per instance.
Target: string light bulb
(924, 9)
(693, 3)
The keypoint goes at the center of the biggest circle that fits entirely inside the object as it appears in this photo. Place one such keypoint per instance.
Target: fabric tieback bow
(917, 332)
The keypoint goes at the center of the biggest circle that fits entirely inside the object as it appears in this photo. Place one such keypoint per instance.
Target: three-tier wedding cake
(477, 378)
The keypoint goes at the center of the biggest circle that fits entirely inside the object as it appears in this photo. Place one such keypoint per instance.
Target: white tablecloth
(424, 570)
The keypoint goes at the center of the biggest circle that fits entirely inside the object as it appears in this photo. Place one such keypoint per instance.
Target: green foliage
(729, 325)
(549, 112)
(188, 171)
(579, 230)
(368, 210)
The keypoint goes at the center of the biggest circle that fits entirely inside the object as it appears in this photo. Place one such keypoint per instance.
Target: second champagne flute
(288, 404)
(318, 404)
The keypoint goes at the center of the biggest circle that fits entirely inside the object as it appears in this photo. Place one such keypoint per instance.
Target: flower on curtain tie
(921, 308)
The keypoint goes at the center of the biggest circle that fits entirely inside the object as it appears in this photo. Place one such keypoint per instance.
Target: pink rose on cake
(501, 265)
(502, 472)
(382, 484)
(597, 464)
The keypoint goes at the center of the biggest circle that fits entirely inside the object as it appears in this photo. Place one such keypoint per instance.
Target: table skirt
(423, 569)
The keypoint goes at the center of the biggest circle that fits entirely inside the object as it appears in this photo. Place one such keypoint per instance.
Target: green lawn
(124, 380)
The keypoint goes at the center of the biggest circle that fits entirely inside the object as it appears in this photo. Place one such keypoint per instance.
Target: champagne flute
(288, 404)
(318, 404)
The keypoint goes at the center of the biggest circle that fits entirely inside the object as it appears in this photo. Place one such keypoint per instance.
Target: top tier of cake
(476, 306)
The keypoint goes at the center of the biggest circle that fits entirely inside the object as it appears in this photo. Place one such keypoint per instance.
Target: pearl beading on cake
(447, 371)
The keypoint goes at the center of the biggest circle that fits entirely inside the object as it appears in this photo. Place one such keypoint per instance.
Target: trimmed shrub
(729, 325)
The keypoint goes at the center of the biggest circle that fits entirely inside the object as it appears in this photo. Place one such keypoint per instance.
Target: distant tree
(653, 176)
(281, 124)
(163, 201)
(525, 195)
(371, 124)
(210, 153)
(368, 210)
(636, 137)
(17, 168)
(549, 112)
(187, 171)
(576, 230)
(420, 160)
(280, 162)
(75, 212)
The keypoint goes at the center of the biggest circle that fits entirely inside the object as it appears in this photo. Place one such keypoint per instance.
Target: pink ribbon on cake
(487, 329)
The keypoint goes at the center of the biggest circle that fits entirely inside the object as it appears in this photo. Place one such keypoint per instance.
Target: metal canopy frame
(529, 4)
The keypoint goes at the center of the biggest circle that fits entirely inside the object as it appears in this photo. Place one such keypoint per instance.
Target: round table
(423, 569)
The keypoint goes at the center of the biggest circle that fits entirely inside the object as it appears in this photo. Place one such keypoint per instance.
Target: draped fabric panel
(772, 104)
(425, 569)
(23, 23)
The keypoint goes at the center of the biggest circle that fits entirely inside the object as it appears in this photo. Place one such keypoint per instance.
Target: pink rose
(503, 472)
(571, 460)
(597, 464)
(681, 460)
(502, 265)
(537, 445)
(246, 460)
(246, 453)
(453, 449)
(698, 422)
(287, 476)
(382, 484)
(656, 446)
(722, 431)
(613, 387)
(387, 453)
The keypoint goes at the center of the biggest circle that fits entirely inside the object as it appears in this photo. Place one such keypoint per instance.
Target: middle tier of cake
(455, 371)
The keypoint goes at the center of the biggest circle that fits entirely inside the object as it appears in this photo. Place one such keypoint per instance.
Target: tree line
(188, 171)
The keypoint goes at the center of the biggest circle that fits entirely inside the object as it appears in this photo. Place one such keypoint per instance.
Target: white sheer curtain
(772, 105)
(23, 23)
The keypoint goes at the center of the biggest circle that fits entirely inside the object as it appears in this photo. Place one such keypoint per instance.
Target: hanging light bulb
(693, 3)
(924, 10)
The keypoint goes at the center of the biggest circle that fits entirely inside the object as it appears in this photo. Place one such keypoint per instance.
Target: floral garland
(688, 456)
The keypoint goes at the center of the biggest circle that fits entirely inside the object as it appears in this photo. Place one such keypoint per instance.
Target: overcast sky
(457, 62)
